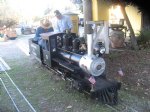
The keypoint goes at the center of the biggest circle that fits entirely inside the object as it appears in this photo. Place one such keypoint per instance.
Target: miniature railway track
(18, 99)
(121, 107)
(9, 96)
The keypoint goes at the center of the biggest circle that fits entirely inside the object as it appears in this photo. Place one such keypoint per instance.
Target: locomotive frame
(84, 70)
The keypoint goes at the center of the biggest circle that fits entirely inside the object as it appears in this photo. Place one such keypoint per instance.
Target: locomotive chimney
(89, 44)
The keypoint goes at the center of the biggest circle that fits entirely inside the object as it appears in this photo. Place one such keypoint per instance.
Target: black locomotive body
(77, 61)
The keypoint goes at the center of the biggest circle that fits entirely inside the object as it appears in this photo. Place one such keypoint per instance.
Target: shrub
(143, 39)
(7, 23)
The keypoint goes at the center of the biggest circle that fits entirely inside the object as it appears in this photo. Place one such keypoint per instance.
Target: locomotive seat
(42, 55)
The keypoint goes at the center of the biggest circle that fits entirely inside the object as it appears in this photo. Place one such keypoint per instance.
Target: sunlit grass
(6, 105)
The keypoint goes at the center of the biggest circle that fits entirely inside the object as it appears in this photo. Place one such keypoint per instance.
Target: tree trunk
(133, 39)
(87, 11)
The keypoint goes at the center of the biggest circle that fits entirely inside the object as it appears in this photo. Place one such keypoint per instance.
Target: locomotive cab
(35, 50)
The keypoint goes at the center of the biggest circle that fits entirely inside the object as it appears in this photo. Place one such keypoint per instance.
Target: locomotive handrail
(68, 51)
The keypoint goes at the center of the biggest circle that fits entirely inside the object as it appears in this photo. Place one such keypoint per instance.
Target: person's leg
(46, 45)
(43, 44)
(40, 42)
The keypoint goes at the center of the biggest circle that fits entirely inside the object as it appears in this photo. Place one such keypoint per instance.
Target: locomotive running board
(64, 64)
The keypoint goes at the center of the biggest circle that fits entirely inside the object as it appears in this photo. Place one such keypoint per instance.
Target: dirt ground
(136, 68)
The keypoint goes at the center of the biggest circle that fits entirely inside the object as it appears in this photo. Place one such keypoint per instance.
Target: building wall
(100, 11)
(134, 17)
(95, 10)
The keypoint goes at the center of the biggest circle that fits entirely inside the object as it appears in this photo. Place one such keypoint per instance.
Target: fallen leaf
(69, 107)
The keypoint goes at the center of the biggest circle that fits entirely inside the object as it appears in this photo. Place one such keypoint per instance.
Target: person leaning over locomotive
(45, 27)
(63, 22)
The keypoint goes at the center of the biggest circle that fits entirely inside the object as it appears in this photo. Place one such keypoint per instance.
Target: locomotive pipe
(70, 56)
(90, 44)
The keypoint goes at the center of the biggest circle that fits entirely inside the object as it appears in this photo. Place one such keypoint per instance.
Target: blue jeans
(43, 43)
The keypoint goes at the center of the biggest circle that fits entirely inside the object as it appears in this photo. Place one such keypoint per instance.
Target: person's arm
(37, 34)
(69, 22)
(57, 28)
(46, 34)
(51, 29)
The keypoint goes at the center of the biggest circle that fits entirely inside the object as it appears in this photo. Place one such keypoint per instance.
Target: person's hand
(45, 37)
(67, 31)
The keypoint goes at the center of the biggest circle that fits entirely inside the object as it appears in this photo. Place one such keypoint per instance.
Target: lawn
(6, 105)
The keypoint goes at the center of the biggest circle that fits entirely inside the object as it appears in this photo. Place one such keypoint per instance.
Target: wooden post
(87, 11)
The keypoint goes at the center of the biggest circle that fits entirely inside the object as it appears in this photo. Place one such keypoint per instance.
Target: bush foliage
(143, 39)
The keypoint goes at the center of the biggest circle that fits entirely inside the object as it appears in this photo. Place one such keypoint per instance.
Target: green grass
(6, 104)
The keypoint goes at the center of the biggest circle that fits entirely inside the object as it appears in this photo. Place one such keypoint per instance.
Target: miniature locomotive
(80, 62)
